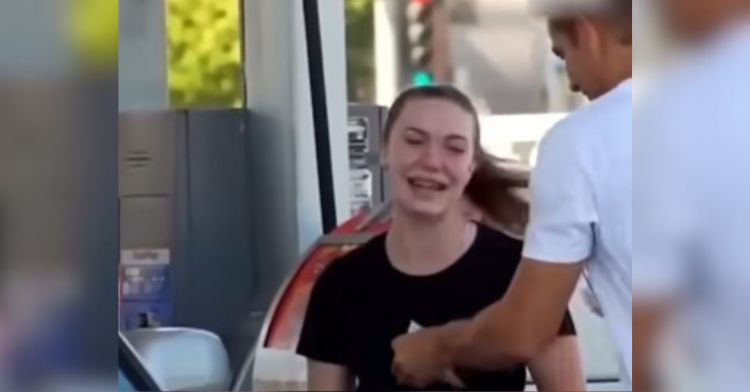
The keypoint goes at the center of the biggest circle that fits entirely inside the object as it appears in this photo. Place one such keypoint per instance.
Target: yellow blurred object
(92, 26)
(204, 60)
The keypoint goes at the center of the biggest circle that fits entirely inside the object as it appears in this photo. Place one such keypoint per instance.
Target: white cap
(562, 8)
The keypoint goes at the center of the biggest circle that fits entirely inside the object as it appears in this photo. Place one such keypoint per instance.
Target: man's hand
(648, 326)
(422, 358)
(512, 330)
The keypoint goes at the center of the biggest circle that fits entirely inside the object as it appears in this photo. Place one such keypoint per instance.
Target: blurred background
(244, 169)
(181, 170)
(494, 50)
(58, 193)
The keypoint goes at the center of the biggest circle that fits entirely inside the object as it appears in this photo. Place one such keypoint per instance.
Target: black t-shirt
(361, 303)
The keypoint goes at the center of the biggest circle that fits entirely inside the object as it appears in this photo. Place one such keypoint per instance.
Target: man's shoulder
(607, 109)
(614, 109)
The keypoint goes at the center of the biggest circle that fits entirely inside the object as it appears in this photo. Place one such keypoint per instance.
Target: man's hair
(572, 8)
(618, 13)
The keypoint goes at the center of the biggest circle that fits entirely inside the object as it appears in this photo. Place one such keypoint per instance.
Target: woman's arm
(558, 367)
(322, 376)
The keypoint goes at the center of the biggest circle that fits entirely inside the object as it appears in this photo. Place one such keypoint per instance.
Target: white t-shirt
(692, 202)
(581, 205)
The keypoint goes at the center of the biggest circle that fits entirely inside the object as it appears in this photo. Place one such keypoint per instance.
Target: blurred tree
(204, 53)
(92, 27)
(360, 54)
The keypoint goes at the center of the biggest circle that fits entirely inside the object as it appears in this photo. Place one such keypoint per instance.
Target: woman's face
(430, 156)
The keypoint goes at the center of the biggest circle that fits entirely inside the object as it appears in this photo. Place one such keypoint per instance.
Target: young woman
(434, 265)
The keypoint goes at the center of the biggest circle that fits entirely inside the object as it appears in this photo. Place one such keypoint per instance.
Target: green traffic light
(421, 78)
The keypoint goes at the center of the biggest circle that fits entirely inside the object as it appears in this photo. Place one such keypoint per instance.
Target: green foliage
(92, 27)
(360, 52)
(204, 52)
(204, 55)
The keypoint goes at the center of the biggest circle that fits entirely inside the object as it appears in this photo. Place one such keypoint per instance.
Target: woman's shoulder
(497, 238)
(357, 262)
(496, 254)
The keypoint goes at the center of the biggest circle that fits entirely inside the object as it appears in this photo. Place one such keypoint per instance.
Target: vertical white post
(386, 51)
(278, 92)
(333, 30)
(142, 70)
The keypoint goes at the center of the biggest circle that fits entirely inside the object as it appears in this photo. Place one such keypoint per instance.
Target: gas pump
(368, 189)
(147, 185)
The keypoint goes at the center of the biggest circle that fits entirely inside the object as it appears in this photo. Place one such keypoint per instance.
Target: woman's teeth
(427, 184)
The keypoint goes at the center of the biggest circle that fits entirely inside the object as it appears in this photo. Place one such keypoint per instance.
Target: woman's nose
(431, 156)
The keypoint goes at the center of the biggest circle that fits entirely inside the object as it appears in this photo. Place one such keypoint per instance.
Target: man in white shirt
(581, 213)
(692, 199)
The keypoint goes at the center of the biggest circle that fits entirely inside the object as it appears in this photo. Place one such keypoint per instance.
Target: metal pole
(320, 115)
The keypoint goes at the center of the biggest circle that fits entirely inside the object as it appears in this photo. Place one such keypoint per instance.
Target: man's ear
(588, 31)
(585, 32)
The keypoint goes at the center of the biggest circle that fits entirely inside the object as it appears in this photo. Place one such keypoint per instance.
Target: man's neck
(619, 79)
(621, 69)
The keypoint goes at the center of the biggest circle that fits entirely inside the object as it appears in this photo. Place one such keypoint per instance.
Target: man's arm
(558, 239)
(516, 328)
(650, 317)
(558, 367)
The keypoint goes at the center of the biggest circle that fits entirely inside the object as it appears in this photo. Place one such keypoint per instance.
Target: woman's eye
(457, 149)
(413, 141)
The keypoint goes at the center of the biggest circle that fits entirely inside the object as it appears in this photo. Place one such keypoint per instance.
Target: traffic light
(421, 78)
(419, 29)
